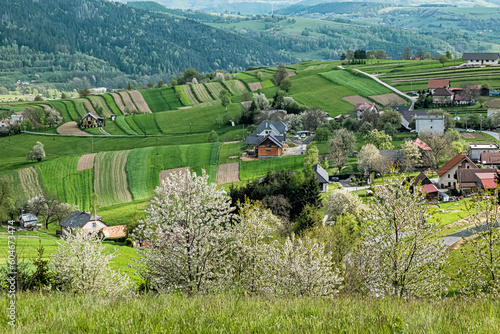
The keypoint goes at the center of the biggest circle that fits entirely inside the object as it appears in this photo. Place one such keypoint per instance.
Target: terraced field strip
(62, 108)
(100, 104)
(181, 94)
(228, 173)
(137, 172)
(254, 86)
(15, 183)
(71, 129)
(86, 162)
(60, 177)
(131, 123)
(73, 114)
(236, 87)
(169, 96)
(189, 93)
(118, 100)
(45, 106)
(122, 124)
(147, 123)
(355, 99)
(111, 183)
(110, 101)
(30, 182)
(79, 107)
(389, 99)
(90, 108)
(211, 103)
(267, 83)
(139, 101)
(215, 88)
(127, 100)
(309, 68)
(167, 173)
(155, 100)
(362, 85)
(201, 92)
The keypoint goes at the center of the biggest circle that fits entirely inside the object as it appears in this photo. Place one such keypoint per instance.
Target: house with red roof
(472, 180)
(447, 175)
(490, 160)
(437, 83)
(442, 96)
(362, 108)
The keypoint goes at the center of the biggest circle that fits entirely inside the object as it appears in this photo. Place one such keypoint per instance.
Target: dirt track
(228, 173)
(71, 129)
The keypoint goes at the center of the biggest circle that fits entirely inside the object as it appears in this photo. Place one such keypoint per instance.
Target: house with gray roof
(268, 139)
(322, 177)
(478, 59)
(83, 220)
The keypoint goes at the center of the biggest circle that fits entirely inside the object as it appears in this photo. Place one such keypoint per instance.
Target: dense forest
(111, 37)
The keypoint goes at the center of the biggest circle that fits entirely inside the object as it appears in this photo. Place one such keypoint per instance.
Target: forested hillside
(116, 38)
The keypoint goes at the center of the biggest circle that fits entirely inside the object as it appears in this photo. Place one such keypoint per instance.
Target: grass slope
(169, 95)
(137, 170)
(155, 100)
(110, 181)
(361, 85)
(250, 170)
(111, 104)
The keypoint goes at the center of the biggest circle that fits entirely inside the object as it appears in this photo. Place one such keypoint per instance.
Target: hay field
(140, 102)
(86, 162)
(30, 182)
(110, 182)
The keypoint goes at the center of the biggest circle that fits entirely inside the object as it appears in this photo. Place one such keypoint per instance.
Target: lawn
(250, 170)
(227, 152)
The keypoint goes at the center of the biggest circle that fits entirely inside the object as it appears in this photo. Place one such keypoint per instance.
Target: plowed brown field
(228, 173)
(86, 162)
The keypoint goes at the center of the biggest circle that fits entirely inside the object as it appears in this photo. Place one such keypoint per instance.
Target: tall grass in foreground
(64, 313)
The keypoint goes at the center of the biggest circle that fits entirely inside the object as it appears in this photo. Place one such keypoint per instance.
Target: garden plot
(30, 182)
(389, 99)
(228, 173)
(166, 173)
(355, 99)
(140, 102)
(493, 103)
(86, 162)
(255, 86)
(71, 129)
(119, 102)
(111, 183)
(127, 100)
(472, 135)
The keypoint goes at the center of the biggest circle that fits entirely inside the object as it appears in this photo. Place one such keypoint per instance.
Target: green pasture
(179, 91)
(188, 90)
(155, 100)
(130, 119)
(246, 77)
(110, 178)
(99, 103)
(60, 177)
(201, 92)
(235, 87)
(214, 89)
(250, 170)
(146, 123)
(361, 85)
(122, 124)
(227, 151)
(137, 170)
(62, 108)
(110, 101)
(169, 96)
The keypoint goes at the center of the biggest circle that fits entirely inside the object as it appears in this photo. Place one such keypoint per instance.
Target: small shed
(322, 177)
(28, 220)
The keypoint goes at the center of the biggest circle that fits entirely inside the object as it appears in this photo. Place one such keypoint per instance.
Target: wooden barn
(269, 147)
(91, 121)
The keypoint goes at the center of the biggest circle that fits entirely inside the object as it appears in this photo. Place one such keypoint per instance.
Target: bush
(129, 242)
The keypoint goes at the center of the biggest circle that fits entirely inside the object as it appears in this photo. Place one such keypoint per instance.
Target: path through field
(86, 162)
(30, 182)
(71, 129)
(228, 173)
(140, 102)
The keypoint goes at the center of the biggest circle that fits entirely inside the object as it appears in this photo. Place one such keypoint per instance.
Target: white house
(475, 149)
(477, 59)
(83, 220)
(430, 123)
(447, 175)
(16, 119)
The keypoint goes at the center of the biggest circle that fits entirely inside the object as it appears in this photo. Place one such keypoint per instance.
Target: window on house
(268, 150)
(448, 175)
(468, 167)
(94, 224)
(449, 184)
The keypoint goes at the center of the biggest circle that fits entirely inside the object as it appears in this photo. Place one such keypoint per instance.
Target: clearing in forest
(30, 182)
(111, 183)
(140, 102)
(255, 86)
(166, 173)
(71, 129)
(228, 173)
(86, 162)
(355, 99)
(390, 99)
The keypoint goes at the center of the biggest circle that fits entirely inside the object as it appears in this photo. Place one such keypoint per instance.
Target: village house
(322, 177)
(362, 108)
(442, 96)
(16, 119)
(4, 127)
(490, 160)
(425, 151)
(478, 59)
(91, 121)
(447, 175)
(98, 90)
(268, 139)
(433, 124)
(83, 220)
(28, 220)
(434, 84)
(472, 180)
(476, 149)
(427, 188)
(408, 115)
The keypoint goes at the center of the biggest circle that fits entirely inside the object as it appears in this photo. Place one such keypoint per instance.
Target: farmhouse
(363, 108)
(408, 116)
(16, 119)
(437, 83)
(430, 124)
(447, 175)
(83, 220)
(4, 123)
(475, 149)
(322, 177)
(91, 121)
(442, 96)
(269, 139)
(490, 160)
(472, 180)
(28, 220)
(477, 59)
